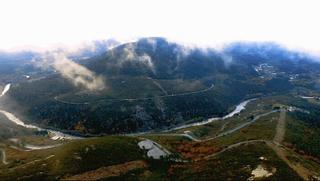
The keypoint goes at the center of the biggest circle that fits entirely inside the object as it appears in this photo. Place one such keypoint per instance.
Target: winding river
(237, 110)
(54, 135)
(57, 135)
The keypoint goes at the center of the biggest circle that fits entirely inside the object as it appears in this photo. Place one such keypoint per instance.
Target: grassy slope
(236, 164)
(72, 158)
(305, 148)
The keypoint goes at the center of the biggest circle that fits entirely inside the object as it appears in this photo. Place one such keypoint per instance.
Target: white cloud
(79, 75)
(129, 54)
(205, 22)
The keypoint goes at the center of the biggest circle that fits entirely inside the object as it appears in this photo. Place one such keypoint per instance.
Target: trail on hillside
(283, 154)
(234, 146)
(31, 162)
(159, 86)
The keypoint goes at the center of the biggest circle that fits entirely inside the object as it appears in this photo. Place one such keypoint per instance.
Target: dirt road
(234, 146)
(281, 128)
(282, 152)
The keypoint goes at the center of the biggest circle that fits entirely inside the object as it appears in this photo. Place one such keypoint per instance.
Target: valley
(270, 125)
(183, 118)
(159, 90)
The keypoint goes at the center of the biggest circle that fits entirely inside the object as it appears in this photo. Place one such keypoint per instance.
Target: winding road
(192, 138)
(241, 126)
(188, 135)
(277, 147)
(56, 98)
(32, 162)
(234, 146)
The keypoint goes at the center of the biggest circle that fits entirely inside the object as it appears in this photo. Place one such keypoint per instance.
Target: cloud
(227, 59)
(79, 75)
(129, 54)
(153, 43)
(146, 59)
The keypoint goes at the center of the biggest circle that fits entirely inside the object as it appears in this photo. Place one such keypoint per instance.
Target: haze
(47, 23)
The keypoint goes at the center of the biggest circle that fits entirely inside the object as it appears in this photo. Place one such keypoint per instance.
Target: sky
(48, 23)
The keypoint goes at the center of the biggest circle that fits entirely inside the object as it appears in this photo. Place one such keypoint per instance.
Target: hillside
(247, 112)
(154, 84)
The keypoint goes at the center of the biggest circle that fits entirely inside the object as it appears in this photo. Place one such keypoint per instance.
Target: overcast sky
(41, 23)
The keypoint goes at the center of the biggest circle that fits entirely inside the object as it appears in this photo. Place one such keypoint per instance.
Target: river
(5, 90)
(237, 110)
(54, 135)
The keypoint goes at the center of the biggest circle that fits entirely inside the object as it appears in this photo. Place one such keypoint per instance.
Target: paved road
(240, 126)
(275, 144)
(187, 135)
(56, 98)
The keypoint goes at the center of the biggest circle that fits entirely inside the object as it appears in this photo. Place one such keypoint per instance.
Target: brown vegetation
(110, 171)
(197, 150)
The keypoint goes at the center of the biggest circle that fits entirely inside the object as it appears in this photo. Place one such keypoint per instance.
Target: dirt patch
(260, 172)
(110, 171)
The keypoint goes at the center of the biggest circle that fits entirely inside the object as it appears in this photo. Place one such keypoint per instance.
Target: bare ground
(110, 171)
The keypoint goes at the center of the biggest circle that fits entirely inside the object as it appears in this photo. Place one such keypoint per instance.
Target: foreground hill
(263, 142)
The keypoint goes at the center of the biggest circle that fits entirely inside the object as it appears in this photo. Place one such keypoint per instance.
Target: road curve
(234, 146)
(240, 126)
(56, 98)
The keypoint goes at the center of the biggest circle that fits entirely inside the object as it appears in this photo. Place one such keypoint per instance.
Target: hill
(154, 84)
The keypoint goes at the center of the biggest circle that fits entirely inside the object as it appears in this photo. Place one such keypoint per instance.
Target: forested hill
(155, 84)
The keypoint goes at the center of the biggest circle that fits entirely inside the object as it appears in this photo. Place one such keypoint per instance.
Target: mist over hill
(154, 84)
